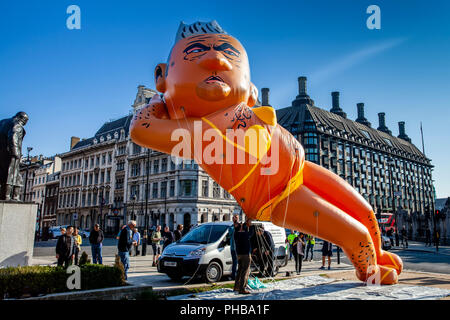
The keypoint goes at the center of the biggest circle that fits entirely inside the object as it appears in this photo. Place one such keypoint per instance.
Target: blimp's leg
(341, 194)
(306, 211)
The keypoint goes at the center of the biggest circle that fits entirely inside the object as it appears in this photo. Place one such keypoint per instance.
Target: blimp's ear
(253, 96)
(160, 77)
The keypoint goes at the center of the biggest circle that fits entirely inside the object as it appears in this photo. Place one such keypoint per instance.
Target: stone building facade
(38, 173)
(391, 173)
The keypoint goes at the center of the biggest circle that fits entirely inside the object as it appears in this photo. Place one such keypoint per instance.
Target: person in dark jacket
(96, 239)
(428, 237)
(299, 251)
(124, 245)
(231, 231)
(242, 237)
(167, 236)
(263, 249)
(65, 248)
(179, 232)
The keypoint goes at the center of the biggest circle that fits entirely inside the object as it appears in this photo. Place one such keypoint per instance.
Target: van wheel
(213, 272)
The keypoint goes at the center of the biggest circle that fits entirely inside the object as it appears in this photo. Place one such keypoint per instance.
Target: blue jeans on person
(125, 259)
(235, 263)
(97, 253)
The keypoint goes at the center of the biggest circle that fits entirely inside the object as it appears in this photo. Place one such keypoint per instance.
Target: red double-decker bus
(387, 221)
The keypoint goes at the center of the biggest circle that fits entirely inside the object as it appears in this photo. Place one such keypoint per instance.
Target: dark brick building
(390, 172)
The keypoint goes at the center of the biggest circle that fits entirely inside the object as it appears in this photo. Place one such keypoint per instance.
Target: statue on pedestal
(11, 137)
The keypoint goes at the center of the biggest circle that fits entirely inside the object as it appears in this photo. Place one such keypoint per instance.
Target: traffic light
(438, 214)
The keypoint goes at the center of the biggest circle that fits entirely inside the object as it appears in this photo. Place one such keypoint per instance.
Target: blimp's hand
(156, 109)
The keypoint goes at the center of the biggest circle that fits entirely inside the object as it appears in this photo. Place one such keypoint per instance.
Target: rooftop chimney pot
(265, 96)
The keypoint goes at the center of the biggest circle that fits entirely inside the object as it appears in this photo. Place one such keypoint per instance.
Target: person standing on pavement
(168, 237)
(179, 232)
(124, 245)
(404, 235)
(137, 239)
(291, 237)
(427, 237)
(78, 242)
(310, 242)
(65, 248)
(156, 244)
(231, 231)
(242, 237)
(299, 251)
(96, 240)
(327, 251)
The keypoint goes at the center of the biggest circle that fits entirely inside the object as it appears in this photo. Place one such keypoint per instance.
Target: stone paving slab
(323, 288)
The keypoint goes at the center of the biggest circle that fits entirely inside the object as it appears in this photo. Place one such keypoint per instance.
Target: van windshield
(207, 233)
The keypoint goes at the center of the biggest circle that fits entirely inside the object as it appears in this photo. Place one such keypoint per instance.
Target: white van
(205, 251)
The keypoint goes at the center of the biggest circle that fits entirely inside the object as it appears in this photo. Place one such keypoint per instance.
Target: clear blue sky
(72, 81)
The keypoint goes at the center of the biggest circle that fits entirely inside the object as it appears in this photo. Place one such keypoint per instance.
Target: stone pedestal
(17, 232)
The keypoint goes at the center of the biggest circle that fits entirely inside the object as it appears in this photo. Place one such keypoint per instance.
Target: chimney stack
(302, 86)
(73, 142)
(361, 118)
(401, 131)
(335, 105)
(265, 97)
(302, 97)
(382, 123)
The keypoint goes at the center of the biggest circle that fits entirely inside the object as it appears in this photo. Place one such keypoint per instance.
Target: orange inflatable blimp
(206, 112)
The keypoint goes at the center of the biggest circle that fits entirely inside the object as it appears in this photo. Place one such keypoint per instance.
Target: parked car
(205, 252)
(55, 232)
(84, 233)
(385, 243)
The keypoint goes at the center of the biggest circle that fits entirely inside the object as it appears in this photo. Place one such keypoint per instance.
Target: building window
(205, 188)
(310, 138)
(187, 188)
(134, 192)
(216, 190)
(172, 188)
(136, 149)
(164, 165)
(135, 169)
(155, 190)
(120, 166)
(156, 166)
(163, 189)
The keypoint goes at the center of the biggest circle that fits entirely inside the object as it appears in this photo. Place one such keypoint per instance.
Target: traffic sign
(75, 216)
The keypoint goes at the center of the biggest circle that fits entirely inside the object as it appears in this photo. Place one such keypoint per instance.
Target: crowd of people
(248, 244)
(69, 243)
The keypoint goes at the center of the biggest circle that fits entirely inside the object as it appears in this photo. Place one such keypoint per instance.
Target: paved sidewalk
(141, 272)
(420, 246)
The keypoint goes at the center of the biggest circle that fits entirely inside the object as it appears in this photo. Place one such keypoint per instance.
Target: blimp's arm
(152, 128)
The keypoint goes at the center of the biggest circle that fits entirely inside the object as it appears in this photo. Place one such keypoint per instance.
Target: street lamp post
(145, 234)
(133, 203)
(26, 174)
